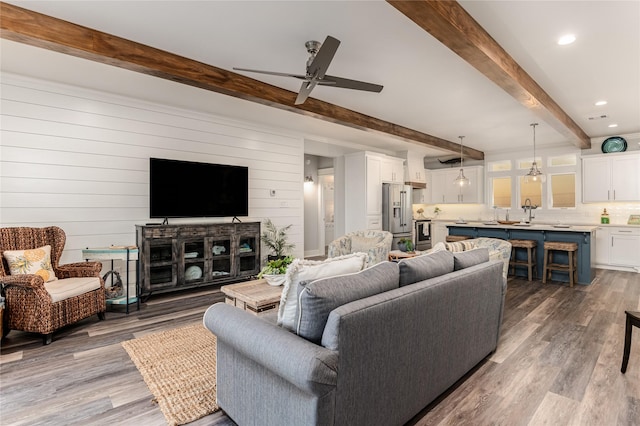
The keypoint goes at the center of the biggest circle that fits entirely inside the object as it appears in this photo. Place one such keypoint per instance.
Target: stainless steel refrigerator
(397, 214)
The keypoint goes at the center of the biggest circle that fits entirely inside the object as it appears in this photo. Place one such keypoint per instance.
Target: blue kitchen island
(584, 236)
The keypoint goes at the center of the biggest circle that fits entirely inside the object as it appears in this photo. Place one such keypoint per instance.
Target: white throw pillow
(310, 270)
(34, 261)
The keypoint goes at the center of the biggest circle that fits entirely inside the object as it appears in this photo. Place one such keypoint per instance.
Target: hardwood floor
(558, 362)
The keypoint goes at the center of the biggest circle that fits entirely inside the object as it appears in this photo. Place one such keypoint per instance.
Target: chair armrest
(79, 269)
(31, 282)
(308, 366)
(339, 247)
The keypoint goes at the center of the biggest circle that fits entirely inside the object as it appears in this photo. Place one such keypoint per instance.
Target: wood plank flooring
(558, 363)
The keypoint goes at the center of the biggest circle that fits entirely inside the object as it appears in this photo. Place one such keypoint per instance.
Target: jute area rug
(179, 367)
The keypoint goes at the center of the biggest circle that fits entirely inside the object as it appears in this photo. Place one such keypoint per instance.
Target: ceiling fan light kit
(320, 57)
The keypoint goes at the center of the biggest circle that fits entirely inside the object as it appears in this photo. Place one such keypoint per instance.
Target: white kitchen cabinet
(444, 191)
(392, 169)
(363, 185)
(611, 177)
(618, 247)
(625, 247)
(439, 232)
(373, 193)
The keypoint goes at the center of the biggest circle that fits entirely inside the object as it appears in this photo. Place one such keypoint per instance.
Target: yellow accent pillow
(34, 261)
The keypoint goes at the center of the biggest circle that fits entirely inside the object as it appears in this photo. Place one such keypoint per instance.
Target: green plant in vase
(276, 240)
(405, 244)
(274, 271)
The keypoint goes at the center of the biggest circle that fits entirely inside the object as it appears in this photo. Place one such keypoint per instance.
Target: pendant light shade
(461, 180)
(535, 174)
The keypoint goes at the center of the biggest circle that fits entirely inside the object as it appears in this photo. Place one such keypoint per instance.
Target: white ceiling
(426, 86)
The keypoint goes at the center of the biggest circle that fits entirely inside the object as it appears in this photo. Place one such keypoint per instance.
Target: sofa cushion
(423, 267)
(309, 270)
(35, 261)
(469, 258)
(318, 298)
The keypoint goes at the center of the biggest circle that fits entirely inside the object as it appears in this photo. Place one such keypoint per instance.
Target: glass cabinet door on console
(221, 256)
(248, 243)
(193, 269)
(162, 265)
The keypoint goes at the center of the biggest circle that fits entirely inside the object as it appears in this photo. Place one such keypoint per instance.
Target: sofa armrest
(79, 269)
(309, 367)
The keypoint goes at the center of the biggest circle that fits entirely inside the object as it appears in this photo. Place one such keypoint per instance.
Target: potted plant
(276, 240)
(405, 244)
(274, 270)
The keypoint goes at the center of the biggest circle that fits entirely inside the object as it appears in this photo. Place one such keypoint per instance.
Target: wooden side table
(126, 254)
(255, 296)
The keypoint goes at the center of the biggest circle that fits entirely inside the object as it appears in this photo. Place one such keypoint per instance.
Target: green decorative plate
(614, 144)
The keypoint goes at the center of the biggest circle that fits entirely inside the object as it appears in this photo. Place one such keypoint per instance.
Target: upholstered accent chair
(41, 302)
(498, 249)
(376, 244)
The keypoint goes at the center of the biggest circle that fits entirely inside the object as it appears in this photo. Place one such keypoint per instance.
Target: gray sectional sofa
(372, 348)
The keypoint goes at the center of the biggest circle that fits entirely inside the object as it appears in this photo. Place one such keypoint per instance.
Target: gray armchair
(376, 244)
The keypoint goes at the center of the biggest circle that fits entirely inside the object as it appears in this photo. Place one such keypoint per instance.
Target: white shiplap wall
(79, 159)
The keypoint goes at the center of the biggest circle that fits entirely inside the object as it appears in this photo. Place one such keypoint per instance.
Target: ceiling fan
(320, 57)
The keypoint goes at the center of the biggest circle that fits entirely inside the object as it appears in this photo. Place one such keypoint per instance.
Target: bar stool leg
(529, 269)
(544, 269)
(571, 269)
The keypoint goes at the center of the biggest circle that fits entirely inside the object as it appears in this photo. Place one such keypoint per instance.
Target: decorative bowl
(274, 279)
(193, 272)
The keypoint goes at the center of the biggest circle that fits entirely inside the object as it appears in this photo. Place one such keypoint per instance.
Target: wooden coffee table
(255, 296)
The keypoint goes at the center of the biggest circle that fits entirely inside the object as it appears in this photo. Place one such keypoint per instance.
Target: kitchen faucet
(527, 205)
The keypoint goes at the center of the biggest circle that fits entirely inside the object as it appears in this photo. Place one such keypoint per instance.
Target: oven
(422, 234)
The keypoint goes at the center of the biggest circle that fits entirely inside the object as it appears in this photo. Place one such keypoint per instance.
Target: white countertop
(542, 224)
(530, 227)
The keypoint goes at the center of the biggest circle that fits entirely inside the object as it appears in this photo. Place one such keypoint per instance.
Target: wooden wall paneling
(59, 186)
(78, 159)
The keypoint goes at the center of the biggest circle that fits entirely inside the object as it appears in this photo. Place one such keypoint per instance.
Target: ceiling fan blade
(305, 90)
(345, 83)
(323, 58)
(282, 74)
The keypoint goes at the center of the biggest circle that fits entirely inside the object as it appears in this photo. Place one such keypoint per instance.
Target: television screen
(191, 189)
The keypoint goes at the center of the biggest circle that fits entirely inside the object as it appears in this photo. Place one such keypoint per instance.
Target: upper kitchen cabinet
(611, 177)
(415, 174)
(444, 191)
(392, 169)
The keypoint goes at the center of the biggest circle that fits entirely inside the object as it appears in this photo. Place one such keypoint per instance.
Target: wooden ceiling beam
(50, 33)
(448, 22)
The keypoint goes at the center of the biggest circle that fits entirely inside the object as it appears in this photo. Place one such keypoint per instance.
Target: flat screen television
(192, 189)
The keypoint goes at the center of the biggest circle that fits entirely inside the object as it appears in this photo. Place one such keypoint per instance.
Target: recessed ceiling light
(566, 39)
(613, 125)
(600, 103)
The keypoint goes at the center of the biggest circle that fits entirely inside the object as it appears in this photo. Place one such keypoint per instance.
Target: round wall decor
(614, 144)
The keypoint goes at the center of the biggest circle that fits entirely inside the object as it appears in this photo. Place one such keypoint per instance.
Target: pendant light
(535, 174)
(461, 180)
